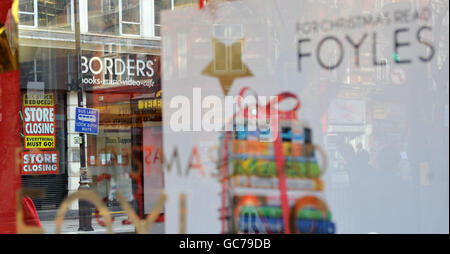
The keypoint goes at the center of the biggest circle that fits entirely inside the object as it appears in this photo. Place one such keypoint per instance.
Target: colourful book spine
(271, 211)
(245, 180)
(255, 224)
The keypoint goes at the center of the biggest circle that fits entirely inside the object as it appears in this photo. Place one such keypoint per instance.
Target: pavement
(70, 225)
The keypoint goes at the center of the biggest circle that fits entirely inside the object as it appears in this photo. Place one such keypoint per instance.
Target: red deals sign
(39, 121)
(40, 163)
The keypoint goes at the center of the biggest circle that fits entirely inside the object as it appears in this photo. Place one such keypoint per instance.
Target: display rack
(271, 174)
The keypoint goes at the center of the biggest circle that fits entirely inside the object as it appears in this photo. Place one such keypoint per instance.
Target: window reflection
(130, 17)
(103, 16)
(363, 115)
(46, 14)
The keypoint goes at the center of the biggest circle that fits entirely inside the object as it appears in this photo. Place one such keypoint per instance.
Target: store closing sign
(41, 162)
(39, 121)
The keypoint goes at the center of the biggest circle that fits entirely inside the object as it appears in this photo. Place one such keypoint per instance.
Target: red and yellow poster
(39, 121)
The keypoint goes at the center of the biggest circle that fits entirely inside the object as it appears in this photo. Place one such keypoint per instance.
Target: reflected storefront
(43, 92)
(116, 156)
(120, 77)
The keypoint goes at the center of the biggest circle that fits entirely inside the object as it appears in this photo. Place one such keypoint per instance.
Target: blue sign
(86, 120)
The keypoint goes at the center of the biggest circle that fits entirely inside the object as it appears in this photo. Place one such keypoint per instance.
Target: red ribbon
(279, 160)
(265, 111)
(224, 182)
(268, 109)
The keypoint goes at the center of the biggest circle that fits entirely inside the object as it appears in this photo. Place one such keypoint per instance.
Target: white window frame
(34, 13)
(102, 4)
(129, 22)
(228, 38)
(154, 21)
(172, 7)
(72, 14)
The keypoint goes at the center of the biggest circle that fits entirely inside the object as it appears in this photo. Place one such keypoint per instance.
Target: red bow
(264, 111)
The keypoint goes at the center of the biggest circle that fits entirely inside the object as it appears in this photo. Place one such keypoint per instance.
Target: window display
(276, 116)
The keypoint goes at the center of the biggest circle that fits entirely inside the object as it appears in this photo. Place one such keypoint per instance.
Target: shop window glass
(26, 6)
(161, 5)
(371, 116)
(27, 12)
(131, 29)
(119, 78)
(55, 14)
(130, 17)
(46, 14)
(158, 8)
(115, 16)
(103, 16)
(184, 3)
